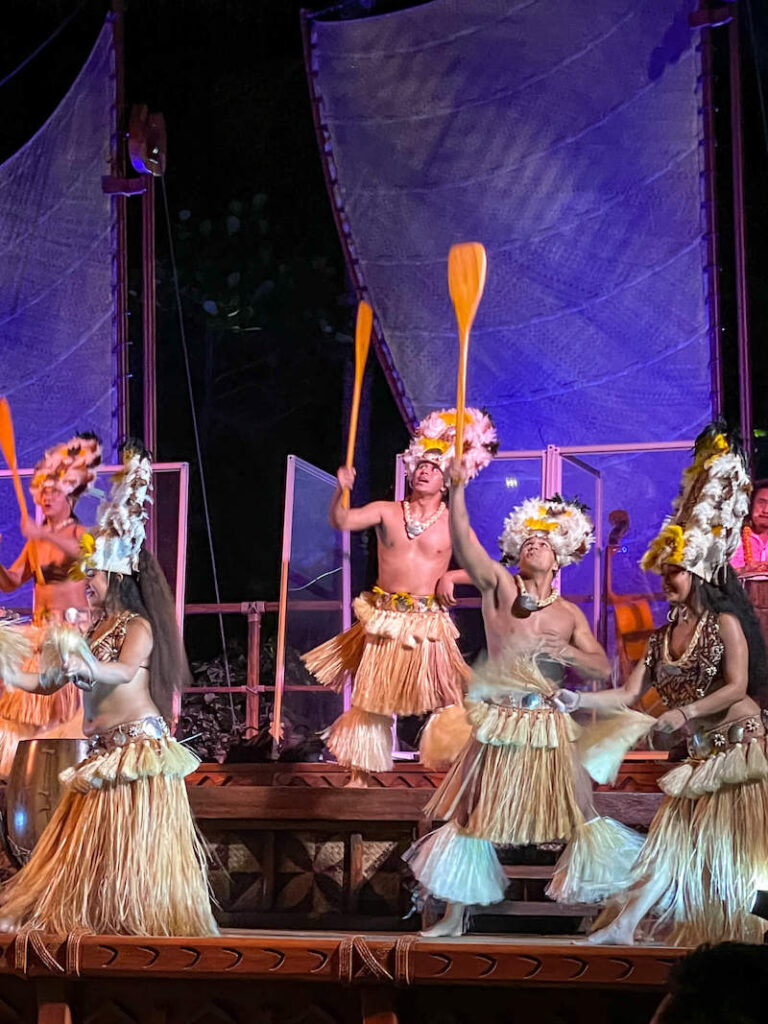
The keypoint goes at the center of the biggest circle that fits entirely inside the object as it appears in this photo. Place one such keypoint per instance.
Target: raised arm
(352, 518)
(68, 544)
(467, 549)
(19, 572)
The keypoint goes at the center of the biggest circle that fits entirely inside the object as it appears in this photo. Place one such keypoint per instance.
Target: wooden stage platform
(297, 850)
(314, 902)
(327, 978)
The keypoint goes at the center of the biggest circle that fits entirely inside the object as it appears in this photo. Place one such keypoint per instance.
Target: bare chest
(430, 543)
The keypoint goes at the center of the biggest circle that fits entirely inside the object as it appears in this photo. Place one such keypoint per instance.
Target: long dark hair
(149, 595)
(730, 596)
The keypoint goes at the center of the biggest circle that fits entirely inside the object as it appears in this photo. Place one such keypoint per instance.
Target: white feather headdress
(563, 524)
(705, 527)
(435, 437)
(115, 544)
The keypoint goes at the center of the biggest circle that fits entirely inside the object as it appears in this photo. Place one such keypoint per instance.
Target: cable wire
(198, 446)
(42, 46)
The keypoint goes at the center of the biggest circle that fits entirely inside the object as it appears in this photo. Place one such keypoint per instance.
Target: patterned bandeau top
(696, 672)
(109, 645)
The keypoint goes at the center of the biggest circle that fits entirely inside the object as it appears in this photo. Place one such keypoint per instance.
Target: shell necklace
(413, 527)
(529, 601)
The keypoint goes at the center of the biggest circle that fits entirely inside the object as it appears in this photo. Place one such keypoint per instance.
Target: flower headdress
(435, 438)
(69, 467)
(115, 544)
(705, 527)
(563, 524)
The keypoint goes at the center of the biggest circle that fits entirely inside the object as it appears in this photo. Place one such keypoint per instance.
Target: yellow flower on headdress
(436, 444)
(543, 525)
(87, 549)
(668, 546)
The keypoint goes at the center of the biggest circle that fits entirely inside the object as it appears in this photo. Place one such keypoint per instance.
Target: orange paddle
(362, 341)
(467, 264)
(8, 445)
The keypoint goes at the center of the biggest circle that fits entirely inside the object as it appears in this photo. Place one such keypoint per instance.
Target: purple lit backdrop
(565, 138)
(56, 225)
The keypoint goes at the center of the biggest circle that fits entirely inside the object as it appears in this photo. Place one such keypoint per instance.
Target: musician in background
(750, 560)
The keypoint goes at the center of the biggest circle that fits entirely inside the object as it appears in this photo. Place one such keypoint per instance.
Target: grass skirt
(358, 739)
(518, 781)
(514, 780)
(120, 854)
(706, 856)
(402, 653)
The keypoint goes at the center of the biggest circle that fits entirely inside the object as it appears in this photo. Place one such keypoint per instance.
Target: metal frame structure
(182, 469)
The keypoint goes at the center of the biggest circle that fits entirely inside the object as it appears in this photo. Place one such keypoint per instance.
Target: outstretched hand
(568, 700)
(457, 474)
(670, 721)
(78, 672)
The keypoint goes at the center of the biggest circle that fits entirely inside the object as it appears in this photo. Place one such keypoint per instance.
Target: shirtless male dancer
(517, 781)
(402, 651)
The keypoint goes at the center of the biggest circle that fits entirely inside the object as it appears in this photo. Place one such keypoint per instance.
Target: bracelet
(683, 713)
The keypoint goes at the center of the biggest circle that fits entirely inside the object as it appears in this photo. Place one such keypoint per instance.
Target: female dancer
(121, 854)
(61, 477)
(707, 848)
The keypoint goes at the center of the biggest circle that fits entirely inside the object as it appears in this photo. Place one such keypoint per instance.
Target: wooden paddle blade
(467, 267)
(7, 439)
(363, 330)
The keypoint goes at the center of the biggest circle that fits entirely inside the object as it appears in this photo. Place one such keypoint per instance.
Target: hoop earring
(673, 614)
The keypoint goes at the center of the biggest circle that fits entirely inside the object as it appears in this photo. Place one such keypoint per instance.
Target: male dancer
(517, 781)
(402, 650)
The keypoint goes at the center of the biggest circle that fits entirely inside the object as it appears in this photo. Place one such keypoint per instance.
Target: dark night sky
(229, 77)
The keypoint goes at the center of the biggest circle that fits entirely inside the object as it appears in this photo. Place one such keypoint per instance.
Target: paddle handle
(461, 394)
(362, 342)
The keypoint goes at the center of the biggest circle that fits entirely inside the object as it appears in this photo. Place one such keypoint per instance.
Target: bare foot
(617, 933)
(358, 780)
(451, 923)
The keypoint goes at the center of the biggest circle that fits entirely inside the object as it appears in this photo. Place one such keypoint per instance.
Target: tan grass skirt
(519, 782)
(515, 791)
(707, 854)
(121, 854)
(401, 652)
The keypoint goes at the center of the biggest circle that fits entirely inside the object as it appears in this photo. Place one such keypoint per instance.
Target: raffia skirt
(403, 655)
(121, 854)
(23, 715)
(519, 781)
(706, 852)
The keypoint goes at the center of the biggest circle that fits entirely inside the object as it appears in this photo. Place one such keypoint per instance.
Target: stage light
(511, 482)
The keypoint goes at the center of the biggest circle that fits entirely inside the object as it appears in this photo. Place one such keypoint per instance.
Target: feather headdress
(434, 441)
(69, 467)
(115, 544)
(705, 526)
(563, 524)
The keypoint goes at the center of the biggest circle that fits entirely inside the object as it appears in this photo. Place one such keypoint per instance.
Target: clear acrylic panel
(638, 490)
(581, 582)
(314, 598)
